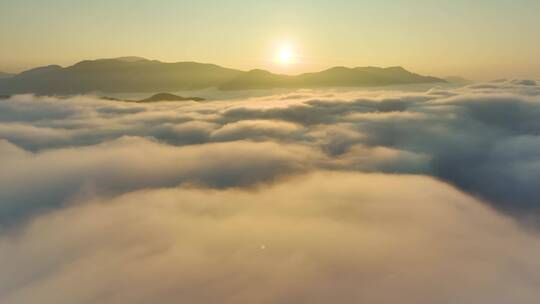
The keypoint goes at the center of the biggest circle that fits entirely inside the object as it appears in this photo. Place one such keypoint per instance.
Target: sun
(285, 55)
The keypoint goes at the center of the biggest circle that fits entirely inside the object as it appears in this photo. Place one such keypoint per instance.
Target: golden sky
(480, 40)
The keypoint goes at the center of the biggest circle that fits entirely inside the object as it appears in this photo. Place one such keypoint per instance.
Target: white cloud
(266, 199)
(318, 238)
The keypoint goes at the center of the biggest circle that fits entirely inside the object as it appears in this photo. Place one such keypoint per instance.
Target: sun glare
(285, 55)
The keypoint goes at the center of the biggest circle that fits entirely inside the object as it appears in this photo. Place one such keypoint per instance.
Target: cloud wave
(315, 239)
(481, 138)
(299, 197)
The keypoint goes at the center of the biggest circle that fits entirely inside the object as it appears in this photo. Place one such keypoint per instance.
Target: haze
(477, 40)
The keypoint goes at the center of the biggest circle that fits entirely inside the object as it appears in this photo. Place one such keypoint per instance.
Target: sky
(480, 40)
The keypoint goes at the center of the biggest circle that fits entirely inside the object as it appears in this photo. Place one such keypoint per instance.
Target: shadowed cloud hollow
(481, 138)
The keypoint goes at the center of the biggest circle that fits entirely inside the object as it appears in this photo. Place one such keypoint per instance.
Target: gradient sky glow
(476, 39)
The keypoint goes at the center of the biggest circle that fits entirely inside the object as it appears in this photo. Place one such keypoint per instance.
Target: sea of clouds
(311, 196)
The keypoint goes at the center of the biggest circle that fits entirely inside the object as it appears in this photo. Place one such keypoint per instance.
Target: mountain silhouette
(169, 97)
(334, 77)
(5, 75)
(157, 98)
(136, 74)
(458, 80)
(126, 74)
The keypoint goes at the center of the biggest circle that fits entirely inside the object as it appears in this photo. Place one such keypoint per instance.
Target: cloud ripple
(300, 197)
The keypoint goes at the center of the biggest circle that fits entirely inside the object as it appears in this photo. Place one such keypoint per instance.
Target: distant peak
(43, 69)
(365, 68)
(4, 75)
(337, 69)
(259, 71)
(130, 59)
(169, 97)
(397, 68)
(458, 80)
(127, 59)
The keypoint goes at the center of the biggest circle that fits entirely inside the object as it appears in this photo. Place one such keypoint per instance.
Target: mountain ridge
(159, 97)
(333, 77)
(137, 74)
(4, 75)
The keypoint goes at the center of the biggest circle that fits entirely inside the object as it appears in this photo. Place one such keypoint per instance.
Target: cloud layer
(481, 138)
(318, 238)
(304, 197)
